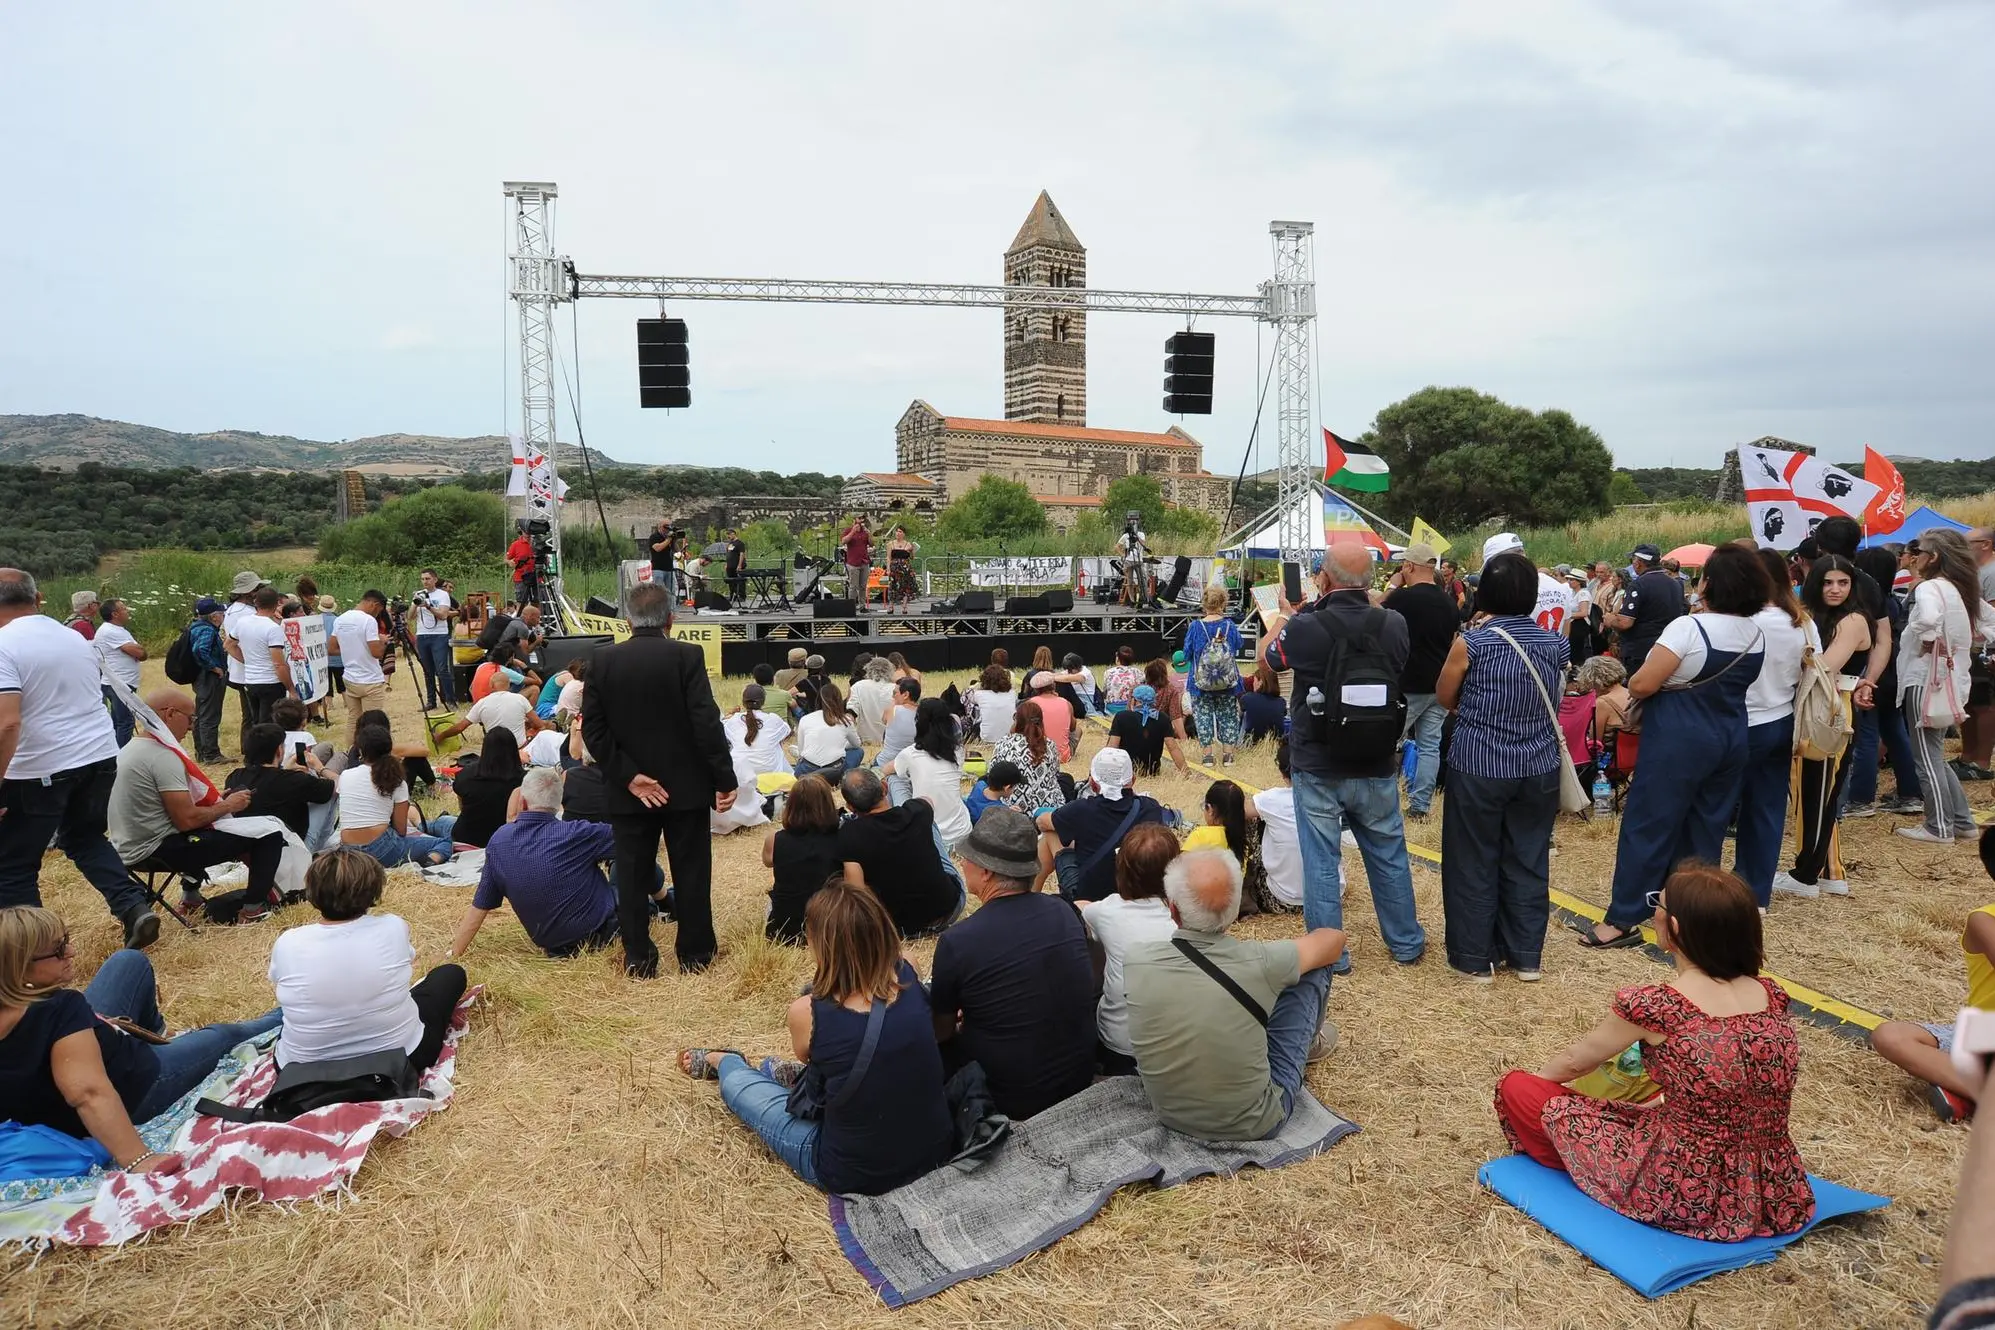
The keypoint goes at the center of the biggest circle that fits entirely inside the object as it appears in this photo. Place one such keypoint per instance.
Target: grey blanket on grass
(1051, 1175)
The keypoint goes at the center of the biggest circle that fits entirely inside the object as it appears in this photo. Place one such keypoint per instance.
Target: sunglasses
(61, 950)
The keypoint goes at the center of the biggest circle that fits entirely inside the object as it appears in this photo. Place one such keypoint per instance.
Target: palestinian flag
(1354, 466)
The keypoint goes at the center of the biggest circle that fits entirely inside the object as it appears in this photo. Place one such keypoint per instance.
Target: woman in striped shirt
(1503, 777)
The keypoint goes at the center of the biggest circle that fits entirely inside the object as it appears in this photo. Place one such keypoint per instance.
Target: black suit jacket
(649, 710)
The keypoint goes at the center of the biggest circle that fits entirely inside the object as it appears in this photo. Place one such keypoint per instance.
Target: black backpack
(494, 629)
(304, 1086)
(181, 665)
(1364, 710)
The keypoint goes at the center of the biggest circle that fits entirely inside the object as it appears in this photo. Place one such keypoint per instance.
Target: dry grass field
(580, 1180)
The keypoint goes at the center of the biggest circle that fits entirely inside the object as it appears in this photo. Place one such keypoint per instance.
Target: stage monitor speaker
(1025, 605)
(977, 602)
(606, 609)
(1060, 602)
(712, 600)
(834, 609)
(1177, 583)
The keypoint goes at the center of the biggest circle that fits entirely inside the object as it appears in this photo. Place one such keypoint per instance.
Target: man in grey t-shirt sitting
(1221, 1049)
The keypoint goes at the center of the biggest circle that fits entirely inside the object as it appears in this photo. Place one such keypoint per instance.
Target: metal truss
(536, 283)
(1292, 310)
(796, 291)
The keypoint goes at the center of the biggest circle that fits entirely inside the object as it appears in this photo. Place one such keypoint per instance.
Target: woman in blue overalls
(1693, 740)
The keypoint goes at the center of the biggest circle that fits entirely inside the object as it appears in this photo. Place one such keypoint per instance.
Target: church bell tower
(1045, 351)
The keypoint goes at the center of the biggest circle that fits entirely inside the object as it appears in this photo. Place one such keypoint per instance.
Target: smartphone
(300, 747)
(1292, 582)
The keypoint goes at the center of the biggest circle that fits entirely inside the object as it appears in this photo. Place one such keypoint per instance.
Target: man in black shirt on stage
(737, 567)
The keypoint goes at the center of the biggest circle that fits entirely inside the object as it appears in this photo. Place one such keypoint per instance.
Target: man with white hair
(552, 873)
(1223, 1027)
(1081, 836)
(1344, 736)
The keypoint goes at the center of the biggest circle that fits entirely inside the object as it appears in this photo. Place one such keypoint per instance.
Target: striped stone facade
(1045, 351)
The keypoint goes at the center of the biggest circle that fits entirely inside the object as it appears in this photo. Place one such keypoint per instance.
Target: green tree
(1460, 457)
(994, 508)
(1134, 494)
(445, 526)
(1623, 489)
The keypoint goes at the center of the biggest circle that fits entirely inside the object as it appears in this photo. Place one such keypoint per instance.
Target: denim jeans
(1496, 861)
(1886, 722)
(1370, 805)
(1292, 1027)
(762, 1102)
(124, 986)
(1424, 718)
(121, 718)
(1861, 785)
(1763, 805)
(853, 757)
(433, 650)
(70, 809)
(210, 689)
(899, 789)
(391, 849)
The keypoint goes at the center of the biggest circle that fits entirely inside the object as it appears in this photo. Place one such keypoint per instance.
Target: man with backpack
(211, 677)
(1347, 714)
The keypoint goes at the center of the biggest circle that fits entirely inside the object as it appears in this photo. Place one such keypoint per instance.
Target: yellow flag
(1424, 534)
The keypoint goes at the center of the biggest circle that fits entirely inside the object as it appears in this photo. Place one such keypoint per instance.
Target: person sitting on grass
(827, 739)
(1263, 709)
(884, 1123)
(550, 871)
(1714, 1160)
(1137, 912)
(1213, 1067)
(279, 786)
(999, 780)
(1142, 731)
(1225, 826)
(1013, 986)
(499, 709)
(930, 770)
(1281, 840)
(898, 852)
(1923, 1050)
(1029, 749)
(485, 790)
(72, 1061)
(343, 983)
(1119, 680)
(802, 852)
(374, 808)
(1079, 846)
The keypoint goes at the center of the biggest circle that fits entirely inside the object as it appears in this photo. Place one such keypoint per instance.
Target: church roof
(896, 478)
(1045, 226)
(1078, 433)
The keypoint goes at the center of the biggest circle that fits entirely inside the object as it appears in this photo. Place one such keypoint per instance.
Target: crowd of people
(1762, 692)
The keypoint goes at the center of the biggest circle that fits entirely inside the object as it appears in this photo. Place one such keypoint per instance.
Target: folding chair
(152, 877)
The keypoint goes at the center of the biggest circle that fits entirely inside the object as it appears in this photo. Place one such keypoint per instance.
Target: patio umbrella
(717, 550)
(1691, 556)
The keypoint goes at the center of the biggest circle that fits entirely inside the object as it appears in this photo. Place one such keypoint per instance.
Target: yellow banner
(1427, 534)
(706, 636)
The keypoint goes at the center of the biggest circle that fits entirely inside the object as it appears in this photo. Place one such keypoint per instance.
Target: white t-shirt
(766, 753)
(1772, 694)
(570, 700)
(428, 621)
(1281, 844)
(822, 744)
(501, 710)
(344, 989)
(63, 721)
(994, 713)
(1728, 632)
(361, 805)
(354, 630)
(232, 618)
(545, 749)
(110, 637)
(941, 783)
(1118, 925)
(257, 635)
(1556, 604)
(292, 738)
(869, 703)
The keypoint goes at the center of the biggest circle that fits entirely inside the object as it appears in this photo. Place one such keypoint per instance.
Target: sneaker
(1477, 976)
(1325, 1043)
(1906, 807)
(1922, 834)
(1529, 976)
(1966, 770)
(1859, 810)
(141, 930)
(1784, 884)
(1950, 1107)
(1834, 886)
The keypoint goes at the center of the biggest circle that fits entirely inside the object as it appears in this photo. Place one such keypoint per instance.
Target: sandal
(697, 1065)
(1626, 937)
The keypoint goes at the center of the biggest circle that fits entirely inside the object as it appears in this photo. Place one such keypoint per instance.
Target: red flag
(1334, 456)
(1886, 512)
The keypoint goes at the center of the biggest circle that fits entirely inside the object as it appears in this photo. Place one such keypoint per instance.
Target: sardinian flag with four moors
(1789, 494)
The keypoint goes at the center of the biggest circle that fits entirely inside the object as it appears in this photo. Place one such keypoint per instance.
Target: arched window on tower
(1060, 407)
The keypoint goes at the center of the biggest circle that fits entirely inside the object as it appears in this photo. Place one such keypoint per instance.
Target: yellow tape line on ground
(1830, 1012)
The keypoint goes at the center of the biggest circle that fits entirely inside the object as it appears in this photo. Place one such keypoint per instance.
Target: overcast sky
(1689, 222)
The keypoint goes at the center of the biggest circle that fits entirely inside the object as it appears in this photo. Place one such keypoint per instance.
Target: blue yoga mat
(1652, 1261)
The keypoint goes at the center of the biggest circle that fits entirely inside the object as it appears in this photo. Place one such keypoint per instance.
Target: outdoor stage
(940, 640)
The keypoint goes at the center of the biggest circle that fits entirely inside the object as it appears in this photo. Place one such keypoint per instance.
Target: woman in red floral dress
(1711, 1158)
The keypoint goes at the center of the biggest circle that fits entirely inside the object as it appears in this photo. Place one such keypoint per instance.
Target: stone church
(1044, 440)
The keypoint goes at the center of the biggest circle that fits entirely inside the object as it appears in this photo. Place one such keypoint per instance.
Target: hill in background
(68, 441)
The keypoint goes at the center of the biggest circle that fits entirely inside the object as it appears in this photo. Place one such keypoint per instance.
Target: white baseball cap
(1112, 772)
(1501, 543)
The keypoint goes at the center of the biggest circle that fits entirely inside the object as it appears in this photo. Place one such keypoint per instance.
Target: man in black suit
(651, 723)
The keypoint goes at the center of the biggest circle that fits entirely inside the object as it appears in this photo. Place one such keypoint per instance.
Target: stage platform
(940, 640)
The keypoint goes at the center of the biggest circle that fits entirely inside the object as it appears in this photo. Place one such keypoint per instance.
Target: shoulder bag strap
(875, 1018)
(1223, 979)
(1558, 731)
(1128, 821)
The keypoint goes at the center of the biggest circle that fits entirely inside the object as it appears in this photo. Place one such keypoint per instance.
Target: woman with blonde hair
(94, 1063)
(1212, 646)
(1946, 618)
(865, 1035)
